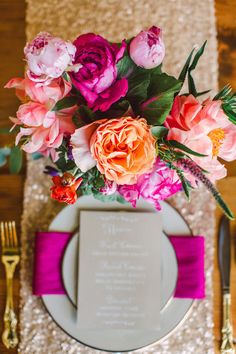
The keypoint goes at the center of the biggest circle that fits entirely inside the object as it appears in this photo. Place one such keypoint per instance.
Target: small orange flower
(65, 187)
(123, 148)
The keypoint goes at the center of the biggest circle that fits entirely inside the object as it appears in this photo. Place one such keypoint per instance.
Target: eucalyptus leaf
(36, 156)
(15, 161)
(4, 152)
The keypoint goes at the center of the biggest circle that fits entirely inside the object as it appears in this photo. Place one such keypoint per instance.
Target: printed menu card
(119, 270)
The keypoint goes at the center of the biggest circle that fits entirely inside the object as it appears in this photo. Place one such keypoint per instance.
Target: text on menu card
(119, 270)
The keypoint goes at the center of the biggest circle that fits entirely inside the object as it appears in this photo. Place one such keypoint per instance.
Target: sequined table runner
(185, 23)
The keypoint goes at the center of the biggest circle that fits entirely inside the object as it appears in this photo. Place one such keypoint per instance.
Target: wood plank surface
(12, 37)
(228, 189)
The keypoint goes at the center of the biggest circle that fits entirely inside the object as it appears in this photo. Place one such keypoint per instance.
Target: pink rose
(203, 128)
(48, 57)
(97, 77)
(147, 49)
(153, 187)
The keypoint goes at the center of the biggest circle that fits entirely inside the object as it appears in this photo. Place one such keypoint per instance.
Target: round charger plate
(64, 313)
(169, 270)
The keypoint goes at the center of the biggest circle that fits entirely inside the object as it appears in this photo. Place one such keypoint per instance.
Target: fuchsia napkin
(50, 246)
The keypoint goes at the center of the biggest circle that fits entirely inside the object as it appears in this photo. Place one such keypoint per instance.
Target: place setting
(125, 295)
(123, 161)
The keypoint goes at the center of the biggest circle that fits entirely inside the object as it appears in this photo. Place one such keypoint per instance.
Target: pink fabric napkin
(50, 247)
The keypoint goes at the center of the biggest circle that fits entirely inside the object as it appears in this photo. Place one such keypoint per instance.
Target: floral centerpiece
(115, 125)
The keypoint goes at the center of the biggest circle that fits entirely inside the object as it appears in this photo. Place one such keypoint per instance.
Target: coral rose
(123, 149)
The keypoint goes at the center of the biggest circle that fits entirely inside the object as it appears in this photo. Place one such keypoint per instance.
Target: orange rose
(123, 148)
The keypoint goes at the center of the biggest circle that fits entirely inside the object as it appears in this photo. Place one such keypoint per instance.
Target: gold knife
(227, 346)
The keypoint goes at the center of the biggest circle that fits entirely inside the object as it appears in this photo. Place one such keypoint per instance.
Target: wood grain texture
(11, 194)
(12, 37)
(228, 189)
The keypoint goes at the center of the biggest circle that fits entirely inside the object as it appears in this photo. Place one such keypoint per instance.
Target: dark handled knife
(224, 252)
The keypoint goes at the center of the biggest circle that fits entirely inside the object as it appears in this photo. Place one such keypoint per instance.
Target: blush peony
(147, 49)
(48, 57)
(42, 128)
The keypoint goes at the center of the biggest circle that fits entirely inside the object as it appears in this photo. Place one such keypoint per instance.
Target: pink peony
(153, 187)
(203, 128)
(43, 128)
(27, 89)
(43, 135)
(48, 57)
(97, 77)
(147, 49)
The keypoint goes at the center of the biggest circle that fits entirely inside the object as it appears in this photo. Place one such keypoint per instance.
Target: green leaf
(86, 114)
(15, 161)
(4, 152)
(197, 56)
(184, 71)
(184, 148)
(159, 131)
(230, 112)
(138, 86)
(161, 90)
(202, 93)
(224, 93)
(191, 84)
(66, 76)
(118, 109)
(163, 83)
(65, 102)
(184, 182)
(156, 111)
(126, 67)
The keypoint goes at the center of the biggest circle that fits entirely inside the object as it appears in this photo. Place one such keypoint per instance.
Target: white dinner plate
(174, 310)
(169, 270)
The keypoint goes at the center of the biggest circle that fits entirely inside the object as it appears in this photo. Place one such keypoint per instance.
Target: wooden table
(12, 26)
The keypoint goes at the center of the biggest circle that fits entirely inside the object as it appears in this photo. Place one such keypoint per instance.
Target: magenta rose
(96, 79)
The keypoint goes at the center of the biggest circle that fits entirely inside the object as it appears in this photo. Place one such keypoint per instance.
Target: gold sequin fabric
(185, 23)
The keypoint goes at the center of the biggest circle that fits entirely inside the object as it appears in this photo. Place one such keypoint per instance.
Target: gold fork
(10, 258)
